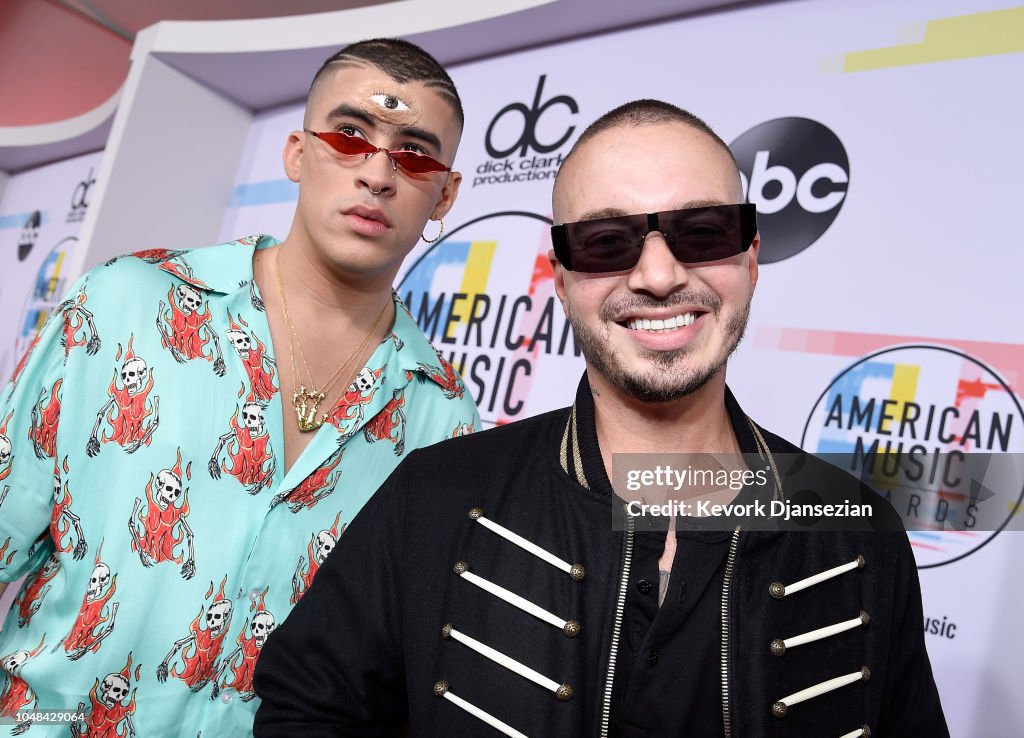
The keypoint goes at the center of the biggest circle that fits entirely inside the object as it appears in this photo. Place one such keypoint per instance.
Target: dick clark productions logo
(796, 172)
(80, 199)
(517, 129)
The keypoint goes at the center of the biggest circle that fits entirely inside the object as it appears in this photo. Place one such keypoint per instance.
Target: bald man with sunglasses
(193, 431)
(529, 591)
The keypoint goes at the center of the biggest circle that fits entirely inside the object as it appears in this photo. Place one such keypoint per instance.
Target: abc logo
(796, 172)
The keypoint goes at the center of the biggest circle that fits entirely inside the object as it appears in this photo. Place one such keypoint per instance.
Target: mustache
(627, 304)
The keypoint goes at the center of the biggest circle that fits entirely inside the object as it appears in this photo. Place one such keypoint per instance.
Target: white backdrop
(889, 165)
(919, 248)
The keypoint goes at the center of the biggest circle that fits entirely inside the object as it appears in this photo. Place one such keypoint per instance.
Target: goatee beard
(670, 378)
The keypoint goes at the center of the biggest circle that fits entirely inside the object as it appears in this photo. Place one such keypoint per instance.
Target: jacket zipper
(620, 607)
(726, 584)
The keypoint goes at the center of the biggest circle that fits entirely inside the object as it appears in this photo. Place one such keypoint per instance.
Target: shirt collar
(227, 267)
(223, 268)
(416, 353)
(580, 453)
(580, 456)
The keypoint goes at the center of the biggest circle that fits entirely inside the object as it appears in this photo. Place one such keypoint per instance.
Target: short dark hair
(645, 112)
(403, 62)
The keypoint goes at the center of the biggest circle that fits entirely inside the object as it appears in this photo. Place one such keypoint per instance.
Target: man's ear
(559, 273)
(292, 155)
(448, 194)
(752, 253)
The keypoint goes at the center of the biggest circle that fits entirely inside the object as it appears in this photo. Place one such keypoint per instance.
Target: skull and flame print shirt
(143, 495)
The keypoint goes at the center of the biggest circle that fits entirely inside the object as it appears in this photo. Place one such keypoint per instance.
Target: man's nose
(377, 172)
(658, 272)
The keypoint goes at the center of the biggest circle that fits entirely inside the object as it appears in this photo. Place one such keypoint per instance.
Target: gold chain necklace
(307, 401)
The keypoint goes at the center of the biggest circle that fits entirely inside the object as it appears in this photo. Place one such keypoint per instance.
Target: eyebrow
(349, 111)
(619, 212)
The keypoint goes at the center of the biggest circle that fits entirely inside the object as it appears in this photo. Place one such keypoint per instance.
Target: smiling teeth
(670, 324)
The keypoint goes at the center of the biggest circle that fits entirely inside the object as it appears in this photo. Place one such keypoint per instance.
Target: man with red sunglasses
(194, 430)
(532, 590)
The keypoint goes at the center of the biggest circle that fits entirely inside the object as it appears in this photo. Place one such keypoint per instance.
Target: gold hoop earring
(436, 238)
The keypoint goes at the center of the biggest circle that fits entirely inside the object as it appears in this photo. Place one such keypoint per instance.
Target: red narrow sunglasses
(409, 161)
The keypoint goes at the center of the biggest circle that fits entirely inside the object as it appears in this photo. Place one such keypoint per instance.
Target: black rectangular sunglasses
(694, 235)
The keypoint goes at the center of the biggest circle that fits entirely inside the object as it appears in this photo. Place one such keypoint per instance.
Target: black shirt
(667, 680)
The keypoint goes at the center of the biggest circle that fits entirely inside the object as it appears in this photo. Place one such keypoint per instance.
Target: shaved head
(635, 114)
(404, 62)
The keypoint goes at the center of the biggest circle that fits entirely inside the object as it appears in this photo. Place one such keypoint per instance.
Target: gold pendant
(306, 405)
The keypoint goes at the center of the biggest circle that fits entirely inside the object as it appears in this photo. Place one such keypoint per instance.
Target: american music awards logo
(484, 295)
(937, 432)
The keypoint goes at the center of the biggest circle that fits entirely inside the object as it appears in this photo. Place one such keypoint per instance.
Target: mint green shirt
(143, 491)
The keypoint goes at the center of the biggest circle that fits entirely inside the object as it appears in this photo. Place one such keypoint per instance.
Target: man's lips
(367, 213)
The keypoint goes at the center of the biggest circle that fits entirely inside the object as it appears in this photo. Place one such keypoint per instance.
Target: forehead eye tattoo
(389, 101)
